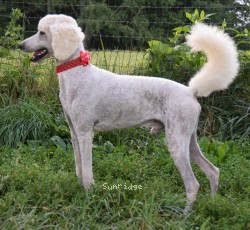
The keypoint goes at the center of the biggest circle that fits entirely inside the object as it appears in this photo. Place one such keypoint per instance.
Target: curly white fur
(63, 46)
(222, 59)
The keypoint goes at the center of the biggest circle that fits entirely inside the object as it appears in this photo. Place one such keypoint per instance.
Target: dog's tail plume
(222, 59)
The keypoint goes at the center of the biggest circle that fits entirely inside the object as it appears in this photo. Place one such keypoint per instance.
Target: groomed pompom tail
(222, 59)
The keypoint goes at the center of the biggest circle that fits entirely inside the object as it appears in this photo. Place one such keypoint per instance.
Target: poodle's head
(58, 36)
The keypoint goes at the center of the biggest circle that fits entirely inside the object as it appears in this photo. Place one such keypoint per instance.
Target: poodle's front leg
(76, 147)
(85, 140)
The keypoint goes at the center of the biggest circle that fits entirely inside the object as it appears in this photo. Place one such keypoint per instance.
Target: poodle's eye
(42, 33)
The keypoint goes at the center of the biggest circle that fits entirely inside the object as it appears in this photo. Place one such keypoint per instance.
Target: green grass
(118, 61)
(31, 120)
(39, 189)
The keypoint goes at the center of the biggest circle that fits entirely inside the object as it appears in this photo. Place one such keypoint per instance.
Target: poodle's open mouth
(39, 54)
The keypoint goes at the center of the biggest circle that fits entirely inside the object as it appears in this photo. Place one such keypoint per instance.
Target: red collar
(83, 60)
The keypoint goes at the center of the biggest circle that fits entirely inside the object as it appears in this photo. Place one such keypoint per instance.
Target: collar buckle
(83, 60)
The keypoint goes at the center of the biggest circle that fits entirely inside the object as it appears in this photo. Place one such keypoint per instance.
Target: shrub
(13, 31)
(224, 113)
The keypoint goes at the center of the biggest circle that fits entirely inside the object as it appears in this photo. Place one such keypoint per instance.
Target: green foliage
(18, 78)
(39, 189)
(236, 13)
(175, 63)
(14, 31)
(220, 151)
(29, 121)
(224, 113)
(125, 24)
(174, 59)
(198, 16)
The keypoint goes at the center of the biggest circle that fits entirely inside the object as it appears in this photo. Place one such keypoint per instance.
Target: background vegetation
(38, 186)
(127, 24)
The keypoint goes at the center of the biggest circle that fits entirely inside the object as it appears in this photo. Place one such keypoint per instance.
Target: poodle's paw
(88, 183)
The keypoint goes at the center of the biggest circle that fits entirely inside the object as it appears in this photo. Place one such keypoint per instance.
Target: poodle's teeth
(39, 54)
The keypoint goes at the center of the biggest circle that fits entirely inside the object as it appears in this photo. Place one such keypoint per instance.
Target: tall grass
(29, 119)
(117, 61)
(20, 79)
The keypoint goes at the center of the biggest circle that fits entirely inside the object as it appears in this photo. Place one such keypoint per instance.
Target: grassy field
(117, 61)
(39, 189)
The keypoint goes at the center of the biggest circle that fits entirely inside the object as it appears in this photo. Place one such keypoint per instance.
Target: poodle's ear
(65, 40)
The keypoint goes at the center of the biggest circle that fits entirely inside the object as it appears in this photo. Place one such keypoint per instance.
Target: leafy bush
(175, 63)
(225, 114)
(13, 32)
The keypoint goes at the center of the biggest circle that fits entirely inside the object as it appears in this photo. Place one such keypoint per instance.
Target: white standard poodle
(94, 99)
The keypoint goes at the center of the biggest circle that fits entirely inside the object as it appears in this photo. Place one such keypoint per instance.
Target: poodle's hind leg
(206, 166)
(178, 144)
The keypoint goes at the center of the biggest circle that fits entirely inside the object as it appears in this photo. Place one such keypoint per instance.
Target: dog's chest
(69, 90)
